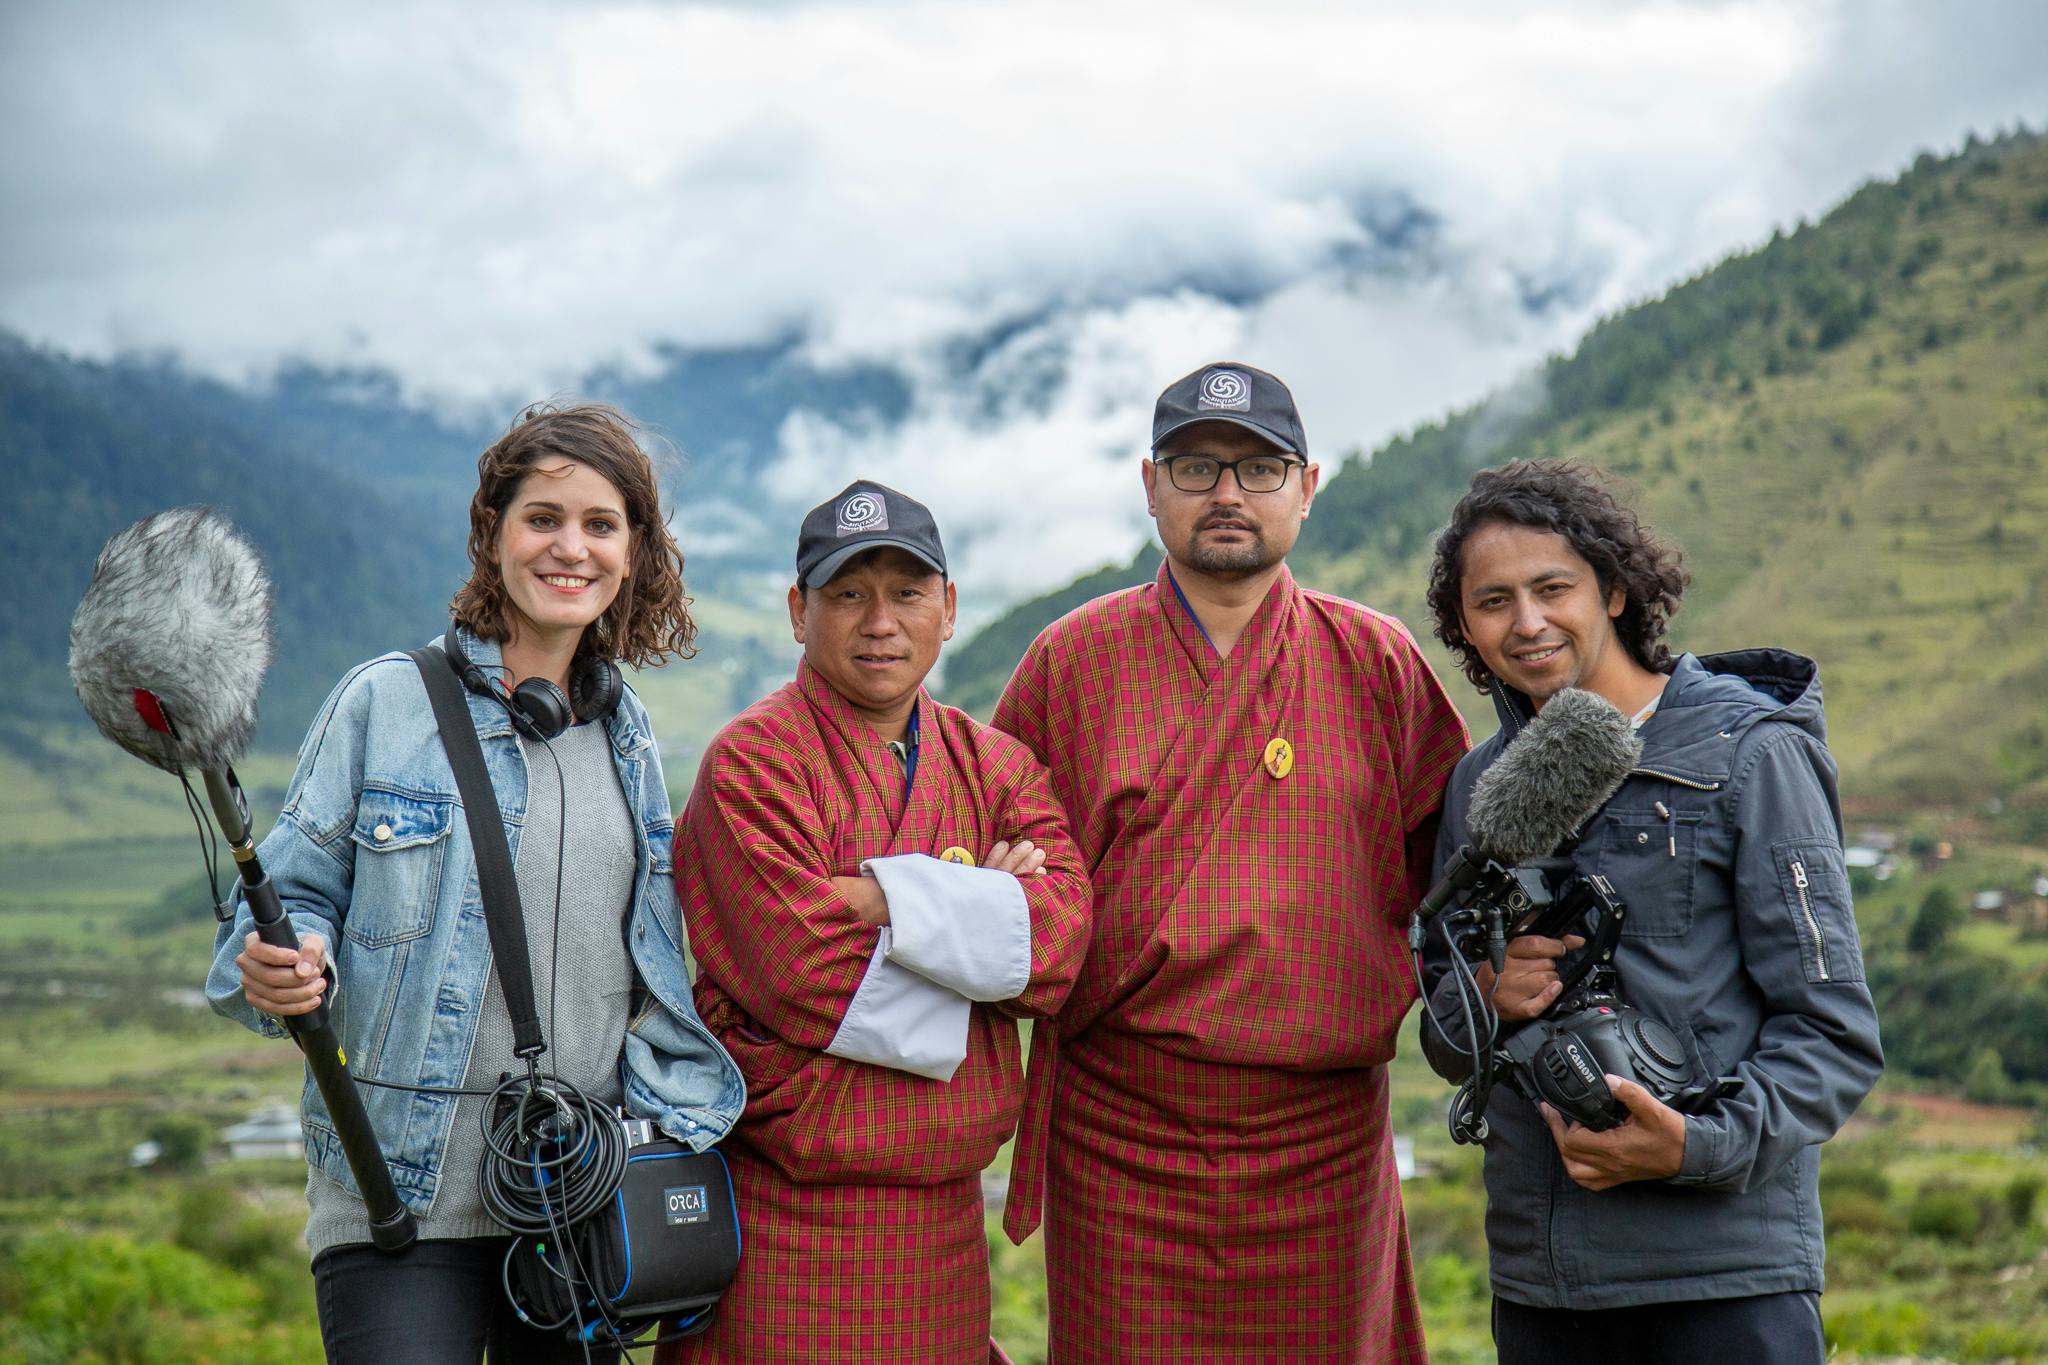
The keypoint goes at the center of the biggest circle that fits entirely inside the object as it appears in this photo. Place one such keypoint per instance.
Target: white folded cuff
(964, 927)
(902, 1020)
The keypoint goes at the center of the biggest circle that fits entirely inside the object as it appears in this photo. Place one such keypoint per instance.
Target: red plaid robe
(858, 1185)
(1206, 1121)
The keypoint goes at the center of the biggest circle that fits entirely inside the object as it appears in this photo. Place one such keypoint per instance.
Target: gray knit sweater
(585, 1022)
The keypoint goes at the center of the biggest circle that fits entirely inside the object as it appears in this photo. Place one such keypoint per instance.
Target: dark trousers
(1770, 1329)
(435, 1303)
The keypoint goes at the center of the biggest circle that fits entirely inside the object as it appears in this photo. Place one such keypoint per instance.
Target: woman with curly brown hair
(572, 572)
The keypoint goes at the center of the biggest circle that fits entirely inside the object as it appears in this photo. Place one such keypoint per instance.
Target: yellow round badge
(1279, 759)
(957, 854)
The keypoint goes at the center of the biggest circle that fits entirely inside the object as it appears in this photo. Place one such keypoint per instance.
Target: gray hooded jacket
(1741, 937)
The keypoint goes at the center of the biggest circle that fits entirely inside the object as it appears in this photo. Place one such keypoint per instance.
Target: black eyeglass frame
(1173, 472)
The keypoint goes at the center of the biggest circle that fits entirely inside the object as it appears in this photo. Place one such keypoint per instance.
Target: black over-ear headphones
(537, 707)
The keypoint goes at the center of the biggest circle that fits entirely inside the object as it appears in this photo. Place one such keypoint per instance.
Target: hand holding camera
(1648, 1145)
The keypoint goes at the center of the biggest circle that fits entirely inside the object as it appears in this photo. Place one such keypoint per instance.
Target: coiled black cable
(553, 1156)
(553, 1159)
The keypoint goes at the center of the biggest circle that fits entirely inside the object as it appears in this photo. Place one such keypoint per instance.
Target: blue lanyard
(906, 749)
(1188, 609)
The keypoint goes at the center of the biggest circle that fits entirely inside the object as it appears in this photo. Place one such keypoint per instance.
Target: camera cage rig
(1563, 1056)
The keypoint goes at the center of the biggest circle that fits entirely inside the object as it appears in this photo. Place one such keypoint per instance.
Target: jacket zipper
(1673, 777)
(1820, 942)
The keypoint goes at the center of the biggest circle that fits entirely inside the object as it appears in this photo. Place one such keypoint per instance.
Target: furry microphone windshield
(169, 647)
(1552, 777)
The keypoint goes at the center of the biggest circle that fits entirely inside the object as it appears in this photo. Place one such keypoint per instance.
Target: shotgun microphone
(1549, 780)
(170, 645)
(168, 652)
(1553, 777)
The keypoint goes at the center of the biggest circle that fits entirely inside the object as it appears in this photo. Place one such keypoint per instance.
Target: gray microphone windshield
(1552, 777)
(169, 647)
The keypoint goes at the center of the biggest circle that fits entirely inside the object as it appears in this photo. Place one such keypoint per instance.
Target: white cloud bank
(1395, 207)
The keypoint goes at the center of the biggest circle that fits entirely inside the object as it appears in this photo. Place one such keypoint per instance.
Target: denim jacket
(372, 852)
(1726, 844)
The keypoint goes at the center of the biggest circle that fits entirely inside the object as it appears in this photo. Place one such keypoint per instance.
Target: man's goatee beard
(1233, 561)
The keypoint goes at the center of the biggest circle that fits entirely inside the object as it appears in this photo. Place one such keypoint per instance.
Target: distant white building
(1862, 855)
(272, 1130)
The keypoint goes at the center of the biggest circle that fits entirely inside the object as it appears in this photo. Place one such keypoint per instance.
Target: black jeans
(1769, 1329)
(435, 1303)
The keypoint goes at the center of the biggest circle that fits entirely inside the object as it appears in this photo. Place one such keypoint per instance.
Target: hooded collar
(1708, 702)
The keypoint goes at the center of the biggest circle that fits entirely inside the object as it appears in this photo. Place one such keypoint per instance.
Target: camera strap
(495, 878)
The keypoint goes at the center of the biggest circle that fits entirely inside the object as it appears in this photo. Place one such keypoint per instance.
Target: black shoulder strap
(494, 873)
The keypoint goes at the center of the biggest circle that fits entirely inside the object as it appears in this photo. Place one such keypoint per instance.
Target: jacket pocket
(1651, 859)
(401, 842)
(1814, 881)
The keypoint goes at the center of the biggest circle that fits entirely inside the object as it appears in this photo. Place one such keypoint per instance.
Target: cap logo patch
(862, 512)
(1226, 390)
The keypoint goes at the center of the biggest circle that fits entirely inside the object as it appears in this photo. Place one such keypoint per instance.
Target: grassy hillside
(1871, 495)
(1843, 429)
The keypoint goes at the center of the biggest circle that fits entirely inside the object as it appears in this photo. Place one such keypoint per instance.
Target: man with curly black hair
(1674, 1237)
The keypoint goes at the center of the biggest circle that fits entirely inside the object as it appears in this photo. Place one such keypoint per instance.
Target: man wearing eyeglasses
(1253, 772)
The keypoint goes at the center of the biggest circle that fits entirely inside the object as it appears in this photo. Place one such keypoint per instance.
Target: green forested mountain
(359, 506)
(357, 560)
(1844, 429)
(358, 500)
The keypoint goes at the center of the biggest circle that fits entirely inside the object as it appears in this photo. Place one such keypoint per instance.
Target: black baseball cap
(1229, 392)
(859, 517)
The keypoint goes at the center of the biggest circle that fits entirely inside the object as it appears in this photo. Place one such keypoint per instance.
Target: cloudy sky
(1398, 206)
